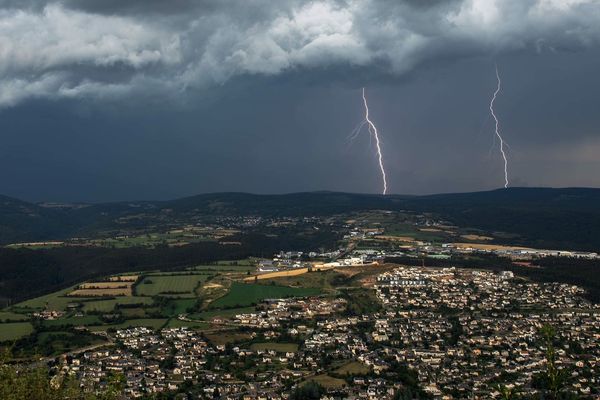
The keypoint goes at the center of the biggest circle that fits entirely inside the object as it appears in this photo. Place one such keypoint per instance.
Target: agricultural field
(54, 343)
(108, 305)
(246, 294)
(316, 279)
(153, 323)
(14, 330)
(225, 337)
(353, 368)
(179, 306)
(278, 274)
(328, 382)
(73, 321)
(138, 312)
(116, 286)
(153, 300)
(278, 347)
(183, 285)
(7, 316)
(227, 313)
(221, 268)
(54, 301)
(126, 291)
(177, 323)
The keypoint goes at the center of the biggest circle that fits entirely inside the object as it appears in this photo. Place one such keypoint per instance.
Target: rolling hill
(541, 217)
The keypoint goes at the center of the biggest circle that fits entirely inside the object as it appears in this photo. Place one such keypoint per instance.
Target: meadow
(73, 321)
(14, 330)
(7, 316)
(153, 323)
(353, 368)
(278, 347)
(108, 305)
(53, 301)
(184, 285)
(230, 312)
(327, 381)
(245, 294)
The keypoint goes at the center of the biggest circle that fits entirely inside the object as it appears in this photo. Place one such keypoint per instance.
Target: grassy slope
(241, 294)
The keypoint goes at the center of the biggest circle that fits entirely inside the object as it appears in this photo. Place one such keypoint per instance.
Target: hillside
(551, 218)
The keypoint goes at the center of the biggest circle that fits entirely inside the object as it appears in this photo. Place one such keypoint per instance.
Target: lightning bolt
(373, 132)
(497, 128)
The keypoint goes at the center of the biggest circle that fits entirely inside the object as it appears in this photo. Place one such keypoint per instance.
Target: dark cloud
(187, 44)
(105, 100)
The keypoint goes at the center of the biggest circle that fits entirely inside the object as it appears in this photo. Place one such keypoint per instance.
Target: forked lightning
(497, 129)
(375, 134)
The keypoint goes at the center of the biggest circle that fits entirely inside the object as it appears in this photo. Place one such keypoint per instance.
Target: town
(446, 333)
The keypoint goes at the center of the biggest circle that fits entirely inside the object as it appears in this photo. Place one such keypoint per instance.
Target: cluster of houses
(458, 334)
(472, 290)
(277, 311)
(517, 253)
(465, 331)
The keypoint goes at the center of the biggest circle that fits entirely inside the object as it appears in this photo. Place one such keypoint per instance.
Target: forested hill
(551, 218)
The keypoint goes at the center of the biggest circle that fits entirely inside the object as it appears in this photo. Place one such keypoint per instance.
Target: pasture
(73, 321)
(153, 323)
(245, 294)
(177, 323)
(14, 330)
(126, 291)
(225, 337)
(327, 381)
(54, 301)
(228, 313)
(183, 285)
(109, 304)
(7, 316)
(278, 347)
(353, 368)
(118, 287)
(178, 306)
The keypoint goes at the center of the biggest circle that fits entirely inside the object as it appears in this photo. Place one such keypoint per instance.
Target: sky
(107, 100)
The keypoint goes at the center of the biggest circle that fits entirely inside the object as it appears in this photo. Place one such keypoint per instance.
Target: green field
(278, 347)
(316, 279)
(243, 294)
(225, 337)
(223, 268)
(136, 312)
(14, 330)
(7, 316)
(53, 301)
(178, 306)
(230, 312)
(176, 323)
(153, 285)
(154, 323)
(58, 342)
(245, 262)
(328, 382)
(109, 304)
(73, 321)
(353, 368)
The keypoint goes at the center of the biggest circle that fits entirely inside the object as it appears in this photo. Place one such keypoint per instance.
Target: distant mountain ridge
(544, 217)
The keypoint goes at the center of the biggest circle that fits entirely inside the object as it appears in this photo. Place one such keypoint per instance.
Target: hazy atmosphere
(109, 100)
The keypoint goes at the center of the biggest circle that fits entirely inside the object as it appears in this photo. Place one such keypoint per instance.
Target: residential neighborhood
(445, 333)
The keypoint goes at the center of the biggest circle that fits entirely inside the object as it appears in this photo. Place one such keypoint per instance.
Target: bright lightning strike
(375, 134)
(497, 129)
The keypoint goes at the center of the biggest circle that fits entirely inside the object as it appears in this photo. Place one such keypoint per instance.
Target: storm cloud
(106, 100)
(106, 48)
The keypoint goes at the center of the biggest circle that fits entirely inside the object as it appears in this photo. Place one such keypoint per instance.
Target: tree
(27, 383)
(309, 391)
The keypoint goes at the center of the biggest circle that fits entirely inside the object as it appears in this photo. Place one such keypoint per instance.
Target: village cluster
(445, 333)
